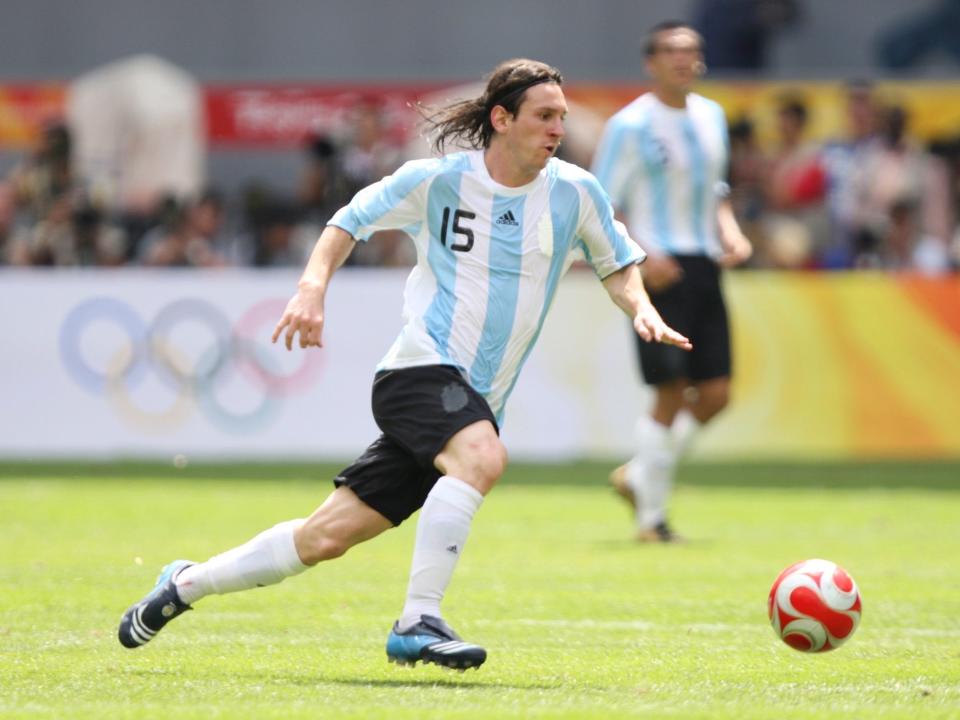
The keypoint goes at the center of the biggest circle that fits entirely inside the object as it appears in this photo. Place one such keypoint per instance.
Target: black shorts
(693, 306)
(418, 409)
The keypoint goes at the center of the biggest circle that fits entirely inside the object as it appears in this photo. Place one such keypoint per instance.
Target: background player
(663, 161)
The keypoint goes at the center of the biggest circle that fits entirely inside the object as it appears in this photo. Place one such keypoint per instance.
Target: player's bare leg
(284, 550)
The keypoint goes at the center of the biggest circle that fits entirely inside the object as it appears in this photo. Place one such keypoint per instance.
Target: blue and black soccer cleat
(432, 641)
(146, 618)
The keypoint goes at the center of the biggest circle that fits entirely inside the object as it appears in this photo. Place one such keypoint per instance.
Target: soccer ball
(814, 606)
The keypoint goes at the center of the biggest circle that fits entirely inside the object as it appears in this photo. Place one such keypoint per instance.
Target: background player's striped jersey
(489, 258)
(664, 170)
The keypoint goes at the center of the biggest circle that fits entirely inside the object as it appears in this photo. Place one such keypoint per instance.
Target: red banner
(24, 109)
(284, 116)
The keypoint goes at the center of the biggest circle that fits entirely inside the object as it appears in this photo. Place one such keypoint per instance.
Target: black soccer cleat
(660, 533)
(142, 621)
(432, 641)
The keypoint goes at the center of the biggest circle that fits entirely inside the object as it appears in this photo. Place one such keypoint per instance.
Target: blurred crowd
(50, 216)
(874, 198)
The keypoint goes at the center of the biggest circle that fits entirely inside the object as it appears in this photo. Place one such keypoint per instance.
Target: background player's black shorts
(418, 409)
(693, 306)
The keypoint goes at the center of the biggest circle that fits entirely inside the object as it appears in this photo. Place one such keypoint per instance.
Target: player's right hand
(660, 272)
(303, 315)
(651, 327)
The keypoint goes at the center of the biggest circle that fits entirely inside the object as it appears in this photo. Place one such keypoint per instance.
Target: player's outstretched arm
(625, 288)
(304, 312)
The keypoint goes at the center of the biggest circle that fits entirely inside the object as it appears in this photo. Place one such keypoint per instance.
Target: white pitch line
(644, 625)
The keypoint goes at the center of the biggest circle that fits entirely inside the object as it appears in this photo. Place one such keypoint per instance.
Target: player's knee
(329, 548)
(487, 465)
(713, 401)
(495, 463)
(315, 543)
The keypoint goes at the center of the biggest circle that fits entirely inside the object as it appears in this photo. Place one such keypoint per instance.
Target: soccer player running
(663, 161)
(495, 228)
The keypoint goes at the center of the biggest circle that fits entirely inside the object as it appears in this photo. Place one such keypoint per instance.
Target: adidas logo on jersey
(507, 219)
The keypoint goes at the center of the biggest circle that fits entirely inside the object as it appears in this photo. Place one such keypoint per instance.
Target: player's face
(676, 62)
(535, 133)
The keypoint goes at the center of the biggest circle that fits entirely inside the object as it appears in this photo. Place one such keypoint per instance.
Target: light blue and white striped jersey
(489, 258)
(664, 170)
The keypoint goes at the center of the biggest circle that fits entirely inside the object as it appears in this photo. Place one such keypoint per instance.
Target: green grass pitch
(579, 622)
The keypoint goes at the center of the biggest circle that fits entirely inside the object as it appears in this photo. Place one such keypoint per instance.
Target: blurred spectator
(737, 33)
(949, 152)
(321, 191)
(46, 175)
(369, 155)
(841, 157)
(98, 241)
(56, 224)
(748, 177)
(186, 234)
(51, 240)
(278, 241)
(7, 213)
(68, 236)
(207, 224)
(902, 194)
(796, 189)
(276, 234)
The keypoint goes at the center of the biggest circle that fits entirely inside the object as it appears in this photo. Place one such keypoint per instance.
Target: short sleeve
(606, 244)
(395, 202)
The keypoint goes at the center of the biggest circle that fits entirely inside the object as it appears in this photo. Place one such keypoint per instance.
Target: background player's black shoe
(659, 533)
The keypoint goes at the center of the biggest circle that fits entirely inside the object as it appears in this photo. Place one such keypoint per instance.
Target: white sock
(650, 473)
(265, 560)
(441, 534)
(685, 427)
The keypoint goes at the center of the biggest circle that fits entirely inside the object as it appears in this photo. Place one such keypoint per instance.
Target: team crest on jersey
(453, 397)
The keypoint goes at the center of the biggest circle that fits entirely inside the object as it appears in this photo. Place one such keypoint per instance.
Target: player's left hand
(737, 250)
(651, 327)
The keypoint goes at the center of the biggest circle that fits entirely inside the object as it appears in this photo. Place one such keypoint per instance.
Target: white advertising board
(147, 363)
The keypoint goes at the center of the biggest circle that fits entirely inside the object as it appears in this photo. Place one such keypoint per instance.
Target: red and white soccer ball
(814, 606)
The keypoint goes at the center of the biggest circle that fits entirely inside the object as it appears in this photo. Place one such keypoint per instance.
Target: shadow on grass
(628, 544)
(456, 680)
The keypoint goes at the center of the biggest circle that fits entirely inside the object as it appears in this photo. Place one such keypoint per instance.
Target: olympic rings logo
(203, 372)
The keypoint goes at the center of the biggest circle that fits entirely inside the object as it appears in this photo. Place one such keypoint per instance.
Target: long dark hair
(469, 120)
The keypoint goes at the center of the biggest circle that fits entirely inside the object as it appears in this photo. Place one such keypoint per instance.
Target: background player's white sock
(685, 427)
(441, 534)
(650, 473)
(265, 560)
